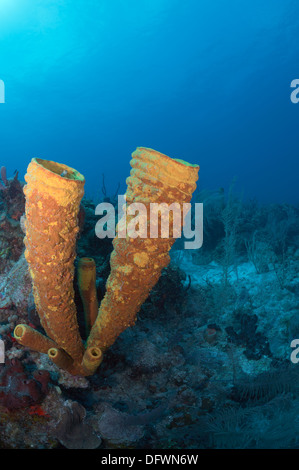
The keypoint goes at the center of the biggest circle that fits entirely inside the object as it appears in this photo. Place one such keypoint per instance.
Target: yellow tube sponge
(32, 339)
(91, 360)
(53, 194)
(136, 263)
(62, 360)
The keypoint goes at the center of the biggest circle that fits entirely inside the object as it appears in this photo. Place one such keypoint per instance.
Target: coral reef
(206, 366)
(12, 196)
(12, 206)
(15, 289)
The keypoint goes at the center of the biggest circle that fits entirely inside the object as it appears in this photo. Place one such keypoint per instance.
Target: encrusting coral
(53, 194)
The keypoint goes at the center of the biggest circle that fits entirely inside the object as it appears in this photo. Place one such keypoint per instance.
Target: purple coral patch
(18, 389)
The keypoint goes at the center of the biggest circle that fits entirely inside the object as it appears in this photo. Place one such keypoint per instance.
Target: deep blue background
(87, 81)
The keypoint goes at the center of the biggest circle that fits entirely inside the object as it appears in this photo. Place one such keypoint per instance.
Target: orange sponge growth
(53, 194)
(136, 263)
(88, 291)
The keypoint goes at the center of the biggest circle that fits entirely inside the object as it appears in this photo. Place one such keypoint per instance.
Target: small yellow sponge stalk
(53, 194)
(32, 339)
(136, 263)
(88, 292)
(91, 360)
(61, 359)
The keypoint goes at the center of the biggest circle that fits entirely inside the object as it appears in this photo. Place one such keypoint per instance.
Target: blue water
(86, 82)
